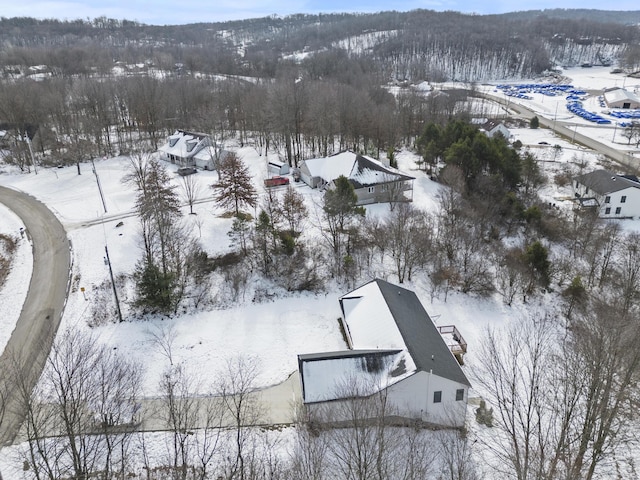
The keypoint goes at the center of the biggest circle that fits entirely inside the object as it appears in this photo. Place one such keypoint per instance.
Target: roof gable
(382, 315)
(604, 181)
(361, 171)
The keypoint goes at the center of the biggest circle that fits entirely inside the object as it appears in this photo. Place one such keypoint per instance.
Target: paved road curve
(31, 340)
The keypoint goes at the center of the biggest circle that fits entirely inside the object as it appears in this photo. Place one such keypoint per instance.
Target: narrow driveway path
(31, 340)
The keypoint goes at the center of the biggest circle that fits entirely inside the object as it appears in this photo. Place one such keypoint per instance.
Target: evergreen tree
(340, 209)
(161, 273)
(234, 188)
(534, 122)
(537, 257)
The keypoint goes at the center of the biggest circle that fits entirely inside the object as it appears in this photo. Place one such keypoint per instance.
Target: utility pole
(99, 186)
(33, 160)
(113, 283)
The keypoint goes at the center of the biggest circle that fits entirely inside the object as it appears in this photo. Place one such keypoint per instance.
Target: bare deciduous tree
(191, 190)
(81, 416)
(512, 373)
(180, 414)
(242, 405)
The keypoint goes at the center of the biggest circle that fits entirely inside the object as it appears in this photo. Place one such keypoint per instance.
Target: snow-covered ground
(594, 80)
(14, 291)
(272, 332)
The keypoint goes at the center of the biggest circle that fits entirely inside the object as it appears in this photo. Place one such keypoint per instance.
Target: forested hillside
(482, 231)
(303, 84)
(416, 45)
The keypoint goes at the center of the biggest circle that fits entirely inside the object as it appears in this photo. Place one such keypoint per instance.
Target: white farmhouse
(191, 149)
(491, 128)
(396, 350)
(614, 196)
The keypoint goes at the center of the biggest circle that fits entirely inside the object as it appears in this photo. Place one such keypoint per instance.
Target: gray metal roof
(364, 163)
(423, 340)
(604, 181)
(310, 357)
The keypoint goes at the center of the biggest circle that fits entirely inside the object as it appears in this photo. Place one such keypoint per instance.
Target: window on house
(607, 199)
(371, 189)
(385, 187)
(618, 210)
(459, 394)
(623, 199)
(437, 396)
(586, 190)
(607, 211)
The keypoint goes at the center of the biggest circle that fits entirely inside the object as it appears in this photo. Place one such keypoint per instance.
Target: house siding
(413, 397)
(410, 398)
(381, 192)
(630, 208)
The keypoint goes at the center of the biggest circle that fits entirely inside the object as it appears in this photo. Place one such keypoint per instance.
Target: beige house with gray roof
(372, 181)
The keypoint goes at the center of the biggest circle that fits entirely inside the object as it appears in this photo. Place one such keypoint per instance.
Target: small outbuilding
(277, 167)
(621, 98)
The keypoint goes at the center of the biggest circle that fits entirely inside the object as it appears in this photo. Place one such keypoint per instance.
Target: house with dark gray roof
(395, 349)
(373, 181)
(492, 128)
(612, 195)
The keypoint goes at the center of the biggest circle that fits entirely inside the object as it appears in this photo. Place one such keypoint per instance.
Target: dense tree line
(417, 45)
(71, 120)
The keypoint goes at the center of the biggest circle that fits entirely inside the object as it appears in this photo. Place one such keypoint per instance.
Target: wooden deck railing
(455, 342)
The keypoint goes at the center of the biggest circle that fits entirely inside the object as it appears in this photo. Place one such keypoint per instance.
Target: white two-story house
(613, 195)
(395, 350)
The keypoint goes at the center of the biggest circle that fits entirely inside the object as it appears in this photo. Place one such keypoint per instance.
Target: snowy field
(272, 332)
(593, 80)
(13, 293)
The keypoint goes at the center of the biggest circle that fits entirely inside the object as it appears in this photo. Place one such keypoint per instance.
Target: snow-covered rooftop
(330, 168)
(369, 321)
(351, 373)
(183, 144)
(620, 94)
(360, 169)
